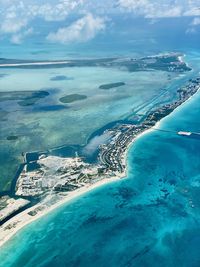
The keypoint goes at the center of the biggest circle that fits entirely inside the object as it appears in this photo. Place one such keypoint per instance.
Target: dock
(181, 133)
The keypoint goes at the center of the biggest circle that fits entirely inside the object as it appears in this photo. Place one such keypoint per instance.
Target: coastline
(157, 125)
(22, 219)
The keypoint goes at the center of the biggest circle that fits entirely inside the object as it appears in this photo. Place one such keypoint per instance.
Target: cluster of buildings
(112, 155)
(56, 174)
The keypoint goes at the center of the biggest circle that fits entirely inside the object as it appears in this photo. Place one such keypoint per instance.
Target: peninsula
(171, 62)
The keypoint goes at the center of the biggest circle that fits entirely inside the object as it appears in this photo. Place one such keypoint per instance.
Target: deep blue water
(151, 218)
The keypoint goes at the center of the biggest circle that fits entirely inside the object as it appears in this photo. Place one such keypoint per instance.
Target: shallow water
(48, 122)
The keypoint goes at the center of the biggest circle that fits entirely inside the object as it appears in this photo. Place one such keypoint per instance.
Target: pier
(181, 133)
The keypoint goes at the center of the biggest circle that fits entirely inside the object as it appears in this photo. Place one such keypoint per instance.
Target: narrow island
(60, 78)
(171, 62)
(57, 180)
(12, 137)
(72, 98)
(111, 85)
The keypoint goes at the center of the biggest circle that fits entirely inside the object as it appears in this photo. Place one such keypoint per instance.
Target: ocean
(150, 218)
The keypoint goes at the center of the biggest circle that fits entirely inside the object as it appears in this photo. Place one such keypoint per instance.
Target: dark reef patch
(33, 98)
(39, 52)
(40, 94)
(3, 114)
(2, 75)
(61, 78)
(28, 102)
(24, 98)
(111, 85)
(12, 137)
(51, 108)
(72, 98)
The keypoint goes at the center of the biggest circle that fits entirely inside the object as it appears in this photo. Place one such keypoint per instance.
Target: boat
(184, 133)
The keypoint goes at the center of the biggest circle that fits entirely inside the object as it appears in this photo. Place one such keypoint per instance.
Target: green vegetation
(111, 85)
(24, 98)
(72, 98)
(12, 137)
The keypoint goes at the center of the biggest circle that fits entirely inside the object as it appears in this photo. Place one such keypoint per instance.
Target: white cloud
(161, 8)
(191, 30)
(150, 9)
(12, 25)
(193, 26)
(19, 37)
(55, 12)
(17, 16)
(196, 21)
(13, 18)
(192, 12)
(81, 30)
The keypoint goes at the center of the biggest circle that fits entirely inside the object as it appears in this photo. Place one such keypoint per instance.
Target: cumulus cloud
(151, 9)
(191, 31)
(54, 11)
(13, 25)
(82, 30)
(19, 37)
(192, 12)
(161, 8)
(17, 16)
(193, 26)
(13, 18)
(196, 21)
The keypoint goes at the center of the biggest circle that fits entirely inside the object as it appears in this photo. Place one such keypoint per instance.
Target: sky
(91, 17)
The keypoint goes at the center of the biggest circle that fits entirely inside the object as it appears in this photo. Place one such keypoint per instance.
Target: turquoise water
(41, 129)
(151, 218)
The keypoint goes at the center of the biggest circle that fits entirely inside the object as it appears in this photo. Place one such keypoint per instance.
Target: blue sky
(92, 16)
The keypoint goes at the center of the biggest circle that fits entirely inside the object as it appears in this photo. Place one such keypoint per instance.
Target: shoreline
(22, 219)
